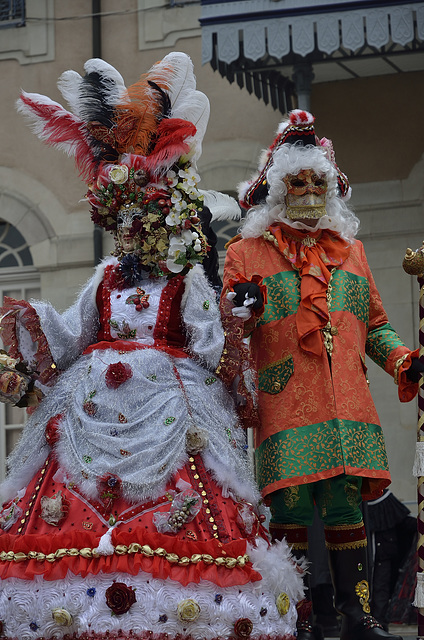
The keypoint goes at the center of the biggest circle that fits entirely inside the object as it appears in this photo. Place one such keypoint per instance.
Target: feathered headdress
(153, 124)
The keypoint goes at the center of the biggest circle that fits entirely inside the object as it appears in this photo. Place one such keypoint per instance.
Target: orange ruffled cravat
(314, 261)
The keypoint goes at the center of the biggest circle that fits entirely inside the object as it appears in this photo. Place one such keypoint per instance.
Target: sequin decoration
(206, 305)
(87, 459)
(210, 380)
(169, 420)
(122, 419)
(91, 592)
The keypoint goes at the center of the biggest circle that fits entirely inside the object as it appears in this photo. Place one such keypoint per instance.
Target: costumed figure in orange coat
(302, 284)
(129, 510)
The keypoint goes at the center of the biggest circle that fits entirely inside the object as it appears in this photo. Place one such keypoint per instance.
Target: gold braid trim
(121, 550)
(398, 365)
(356, 544)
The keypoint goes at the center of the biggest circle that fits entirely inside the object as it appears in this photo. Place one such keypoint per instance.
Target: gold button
(214, 527)
(196, 476)
(276, 386)
(203, 493)
(211, 519)
(334, 331)
(201, 485)
(193, 467)
(208, 510)
(205, 501)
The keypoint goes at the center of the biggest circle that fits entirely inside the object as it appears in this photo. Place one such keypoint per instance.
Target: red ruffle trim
(132, 563)
(130, 345)
(149, 635)
(46, 368)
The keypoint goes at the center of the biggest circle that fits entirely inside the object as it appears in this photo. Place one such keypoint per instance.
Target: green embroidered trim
(381, 342)
(274, 377)
(350, 293)
(283, 296)
(308, 450)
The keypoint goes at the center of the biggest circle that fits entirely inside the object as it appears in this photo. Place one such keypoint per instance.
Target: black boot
(349, 573)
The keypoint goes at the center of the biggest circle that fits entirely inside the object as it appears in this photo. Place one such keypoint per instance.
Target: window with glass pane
(19, 280)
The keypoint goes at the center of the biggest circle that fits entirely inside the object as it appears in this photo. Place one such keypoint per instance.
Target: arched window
(18, 279)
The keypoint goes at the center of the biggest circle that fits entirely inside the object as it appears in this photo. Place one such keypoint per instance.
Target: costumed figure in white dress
(129, 510)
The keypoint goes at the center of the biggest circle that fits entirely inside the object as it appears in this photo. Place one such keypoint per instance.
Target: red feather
(61, 129)
(170, 144)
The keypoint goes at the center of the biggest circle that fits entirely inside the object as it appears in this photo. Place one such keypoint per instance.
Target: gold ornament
(62, 617)
(188, 610)
(362, 590)
(283, 603)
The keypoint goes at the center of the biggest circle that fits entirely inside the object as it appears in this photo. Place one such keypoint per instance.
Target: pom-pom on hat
(297, 130)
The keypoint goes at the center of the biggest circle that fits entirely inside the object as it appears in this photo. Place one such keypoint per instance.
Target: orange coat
(317, 420)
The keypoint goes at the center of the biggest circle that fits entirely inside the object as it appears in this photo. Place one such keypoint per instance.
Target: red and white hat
(297, 130)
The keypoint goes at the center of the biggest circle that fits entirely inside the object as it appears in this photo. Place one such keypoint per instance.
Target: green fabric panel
(381, 342)
(275, 376)
(350, 293)
(307, 450)
(283, 296)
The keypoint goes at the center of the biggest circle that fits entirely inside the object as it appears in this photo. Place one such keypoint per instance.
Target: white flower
(197, 246)
(188, 236)
(119, 174)
(173, 266)
(176, 197)
(179, 206)
(172, 178)
(172, 219)
(176, 248)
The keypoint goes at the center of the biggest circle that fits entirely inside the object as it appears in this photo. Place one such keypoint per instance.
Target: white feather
(38, 123)
(221, 205)
(69, 84)
(175, 73)
(275, 564)
(104, 69)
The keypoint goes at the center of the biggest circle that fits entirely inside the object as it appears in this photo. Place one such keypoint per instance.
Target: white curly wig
(291, 159)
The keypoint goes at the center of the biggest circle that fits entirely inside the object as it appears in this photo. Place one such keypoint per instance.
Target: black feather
(94, 107)
(93, 93)
(165, 100)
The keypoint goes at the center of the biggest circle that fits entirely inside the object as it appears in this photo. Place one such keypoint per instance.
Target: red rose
(117, 373)
(120, 598)
(243, 627)
(51, 432)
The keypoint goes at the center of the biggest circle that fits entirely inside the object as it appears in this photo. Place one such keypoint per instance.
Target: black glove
(252, 290)
(415, 371)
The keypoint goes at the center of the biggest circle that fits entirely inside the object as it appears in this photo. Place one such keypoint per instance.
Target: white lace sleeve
(69, 333)
(201, 317)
